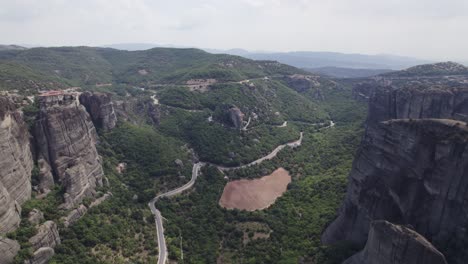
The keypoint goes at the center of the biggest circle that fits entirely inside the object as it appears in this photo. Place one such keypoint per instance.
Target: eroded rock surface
(10, 212)
(407, 171)
(236, 116)
(16, 163)
(47, 236)
(66, 140)
(8, 250)
(395, 244)
(41, 256)
(418, 101)
(100, 108)
(16, 160)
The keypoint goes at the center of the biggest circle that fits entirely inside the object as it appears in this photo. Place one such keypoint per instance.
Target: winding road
(270, 156)
(162, 257)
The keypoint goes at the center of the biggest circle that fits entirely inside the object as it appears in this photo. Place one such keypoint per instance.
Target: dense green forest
(195, 224)
(81, 66)
(160, 141)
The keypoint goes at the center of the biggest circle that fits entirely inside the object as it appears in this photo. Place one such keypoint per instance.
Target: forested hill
(77, 66)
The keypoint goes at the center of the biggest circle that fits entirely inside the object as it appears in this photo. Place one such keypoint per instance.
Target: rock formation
(137, 111)
(306, 83)
(236, 116)
(9, 212)
(416, 102)
(47, 236)
(393, 244)
(35, 217)
(16, 160)
(66, 140)
(8, 250)
(77, 213)
(100, 108)
(411, 167)
(16, 163)
(41, 256)
(44, 242)
(407, 171)
(74, 215)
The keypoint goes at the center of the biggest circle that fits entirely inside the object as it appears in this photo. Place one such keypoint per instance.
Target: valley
(182, 156)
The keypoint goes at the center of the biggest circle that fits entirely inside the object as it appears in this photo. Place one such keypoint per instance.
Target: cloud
(425, 28)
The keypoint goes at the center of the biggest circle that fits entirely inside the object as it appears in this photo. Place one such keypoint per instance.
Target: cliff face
(394, 244)
(236, 116)
(100, 108)
(44, 242)
(66, 140)
(16, 163)
(9, 212)
(8, 250)
(47, 236)
(418, 102)
(407, 171)
(16, 160)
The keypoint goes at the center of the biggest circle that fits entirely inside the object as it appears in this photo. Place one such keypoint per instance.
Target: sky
(427, 29)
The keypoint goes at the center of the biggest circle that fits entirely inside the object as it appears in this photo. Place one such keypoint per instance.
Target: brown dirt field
(255, 194)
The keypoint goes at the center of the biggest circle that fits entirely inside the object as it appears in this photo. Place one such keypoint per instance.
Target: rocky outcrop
(306, 84)
(394, 244)
(417, 102)
(236, 116)
(77, 213)
(41, 256)
(16, 163)
(100, 108)
(16, 160)
(137, 111)
(74, 215)
(407, 171)
(66, 139)
(10, 212)
(44, 242)
(46, 179)
(47, 236)
(35, 217)
(8, 250)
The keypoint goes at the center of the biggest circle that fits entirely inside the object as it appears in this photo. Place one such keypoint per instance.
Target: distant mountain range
(11, 47)
(310, 59)
(340, 72)
(334, 64)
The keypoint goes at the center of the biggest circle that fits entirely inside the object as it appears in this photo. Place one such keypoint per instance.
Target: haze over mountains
(140, 122)
(333, 64)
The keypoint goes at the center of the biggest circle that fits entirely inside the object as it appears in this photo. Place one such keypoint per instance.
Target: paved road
(270, 156)
(162, 257)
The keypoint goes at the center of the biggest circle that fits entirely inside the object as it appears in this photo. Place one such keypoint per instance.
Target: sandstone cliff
(9, 212)
(236, 116)
(44, 242)
(8, 250)
(407, 171)
(100, 108)
(16, 160)
(393, 244)
(418, 101)
(137, 111)
(16, 163)
(66, 139)
(47, 236)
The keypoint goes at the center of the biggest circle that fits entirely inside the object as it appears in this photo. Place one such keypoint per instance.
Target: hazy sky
(431, 29)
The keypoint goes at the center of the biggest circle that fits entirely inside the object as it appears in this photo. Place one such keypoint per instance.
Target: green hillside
(89, 66)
